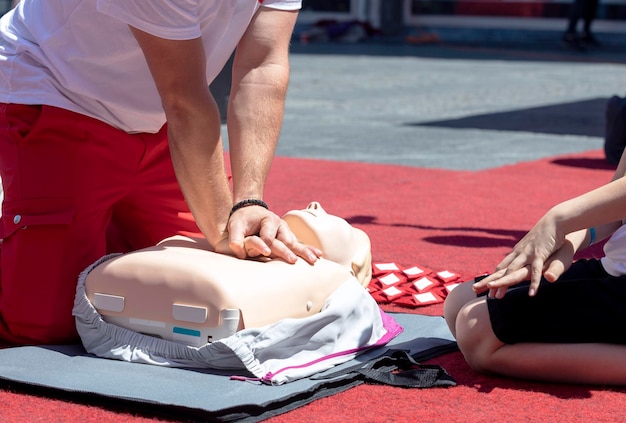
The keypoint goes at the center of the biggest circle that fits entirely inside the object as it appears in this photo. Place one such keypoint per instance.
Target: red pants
(75, 189)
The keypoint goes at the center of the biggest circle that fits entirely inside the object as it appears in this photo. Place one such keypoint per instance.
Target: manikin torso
(180, 291)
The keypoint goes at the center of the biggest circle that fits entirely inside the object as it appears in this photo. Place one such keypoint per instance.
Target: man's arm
(255, 114)
(193, 128)
(257, 99)
(197, 152)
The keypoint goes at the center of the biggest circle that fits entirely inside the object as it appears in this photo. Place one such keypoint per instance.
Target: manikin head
(339, 241)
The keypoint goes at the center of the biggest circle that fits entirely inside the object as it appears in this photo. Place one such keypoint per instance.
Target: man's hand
(254, 231)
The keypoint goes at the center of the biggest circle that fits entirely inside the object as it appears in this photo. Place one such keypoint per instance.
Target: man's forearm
(255, 116)
(193, 128)
(198, 159)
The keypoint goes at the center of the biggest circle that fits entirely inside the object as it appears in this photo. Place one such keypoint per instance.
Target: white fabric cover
(290, 349)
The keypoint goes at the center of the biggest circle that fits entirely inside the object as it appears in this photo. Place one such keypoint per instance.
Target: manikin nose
(314, 205)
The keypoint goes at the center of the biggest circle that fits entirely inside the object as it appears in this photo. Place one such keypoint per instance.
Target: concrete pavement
(455, 106)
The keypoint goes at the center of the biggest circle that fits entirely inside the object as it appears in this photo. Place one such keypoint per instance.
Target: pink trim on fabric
(392, 329)
(245, 378)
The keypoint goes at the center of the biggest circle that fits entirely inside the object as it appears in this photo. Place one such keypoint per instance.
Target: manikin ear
(338, 240)
(362, 258)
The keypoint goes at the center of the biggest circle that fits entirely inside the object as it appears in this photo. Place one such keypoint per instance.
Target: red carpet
(445, 220)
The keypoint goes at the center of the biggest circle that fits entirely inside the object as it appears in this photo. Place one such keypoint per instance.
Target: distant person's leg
(590, 10)
(570, 37)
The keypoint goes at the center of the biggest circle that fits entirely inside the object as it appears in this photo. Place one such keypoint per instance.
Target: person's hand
(542, 252)
(254, 231)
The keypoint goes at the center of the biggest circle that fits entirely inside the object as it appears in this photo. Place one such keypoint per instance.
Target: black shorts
(585, 304)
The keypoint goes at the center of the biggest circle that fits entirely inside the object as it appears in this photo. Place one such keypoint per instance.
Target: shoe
(589, 39)
(571, 40)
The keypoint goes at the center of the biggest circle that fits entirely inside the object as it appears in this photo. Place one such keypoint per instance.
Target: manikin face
(339, 241)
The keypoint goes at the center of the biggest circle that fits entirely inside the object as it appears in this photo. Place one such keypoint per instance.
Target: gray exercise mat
(204, 394)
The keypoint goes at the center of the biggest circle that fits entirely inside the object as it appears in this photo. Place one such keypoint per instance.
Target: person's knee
(37, 326)
(455, 301)
(475, 337)
(37, 289)
(19, 334)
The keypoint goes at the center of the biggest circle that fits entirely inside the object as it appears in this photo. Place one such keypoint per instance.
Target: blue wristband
(592, 236)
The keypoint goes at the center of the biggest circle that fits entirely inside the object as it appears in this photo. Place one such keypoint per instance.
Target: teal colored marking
(185, 331)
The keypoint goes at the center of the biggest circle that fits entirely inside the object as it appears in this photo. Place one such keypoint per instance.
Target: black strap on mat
(400, 369)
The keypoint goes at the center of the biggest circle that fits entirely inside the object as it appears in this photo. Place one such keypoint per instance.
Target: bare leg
(600, 364)
(455, 301)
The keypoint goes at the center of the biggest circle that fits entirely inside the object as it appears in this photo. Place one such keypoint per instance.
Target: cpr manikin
(180, 291)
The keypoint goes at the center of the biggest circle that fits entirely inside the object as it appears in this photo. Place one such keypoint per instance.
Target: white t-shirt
(614, 260)
(80, 54)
